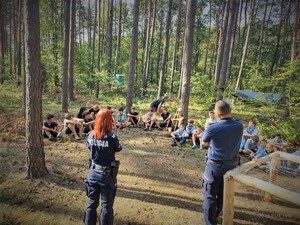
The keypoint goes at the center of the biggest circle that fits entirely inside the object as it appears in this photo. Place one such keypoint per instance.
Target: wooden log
(228, 200)
(277, 191)
(290, 157)
(247, 166)
(275, 164)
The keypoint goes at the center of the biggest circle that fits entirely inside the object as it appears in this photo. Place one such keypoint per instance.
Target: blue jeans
(180, 140)
(212, 188)
(98, 185)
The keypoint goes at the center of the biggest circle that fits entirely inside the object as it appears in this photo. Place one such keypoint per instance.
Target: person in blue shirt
(278, 143)
(263, 151)
(249, 132)
(121, 119)
(223, 155)
(251, 145)
(102, 179)
(190, 128)
(179, 135)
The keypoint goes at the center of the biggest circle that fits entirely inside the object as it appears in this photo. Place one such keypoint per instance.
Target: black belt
(224, 162)
(101, 168)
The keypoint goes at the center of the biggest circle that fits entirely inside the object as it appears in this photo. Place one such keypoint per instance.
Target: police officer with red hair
(102, 180)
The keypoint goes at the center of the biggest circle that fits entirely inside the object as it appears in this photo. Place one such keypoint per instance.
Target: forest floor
(157, 184)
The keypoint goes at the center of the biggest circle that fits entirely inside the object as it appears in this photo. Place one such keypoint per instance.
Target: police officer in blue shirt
(223, 155)
(102, 178)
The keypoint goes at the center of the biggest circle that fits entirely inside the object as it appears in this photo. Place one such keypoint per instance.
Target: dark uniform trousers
(213, 183)
(98, 183)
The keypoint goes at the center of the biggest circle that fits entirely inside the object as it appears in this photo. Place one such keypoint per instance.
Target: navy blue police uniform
(101, 181)
(223, 155)
(155, 104)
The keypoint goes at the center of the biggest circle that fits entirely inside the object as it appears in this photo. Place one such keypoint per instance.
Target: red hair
(103, 124)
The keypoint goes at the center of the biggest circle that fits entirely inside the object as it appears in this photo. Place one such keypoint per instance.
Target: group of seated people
(84, 123)
(255, 148)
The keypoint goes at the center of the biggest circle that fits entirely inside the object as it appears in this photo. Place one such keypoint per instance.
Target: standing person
(223, 155)
(102, 180)
(157, 105)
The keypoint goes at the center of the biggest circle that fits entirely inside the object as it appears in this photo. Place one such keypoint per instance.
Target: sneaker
(146, 128)
(194, 146)
(174, 144)
(160, 128)
(52, 138)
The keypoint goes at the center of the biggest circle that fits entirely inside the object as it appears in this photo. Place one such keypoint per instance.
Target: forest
(59, 55)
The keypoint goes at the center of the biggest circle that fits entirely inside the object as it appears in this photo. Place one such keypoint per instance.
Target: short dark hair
(223, 108)
(50, 116)
(255, 138)
(165, 97)
(121, 109)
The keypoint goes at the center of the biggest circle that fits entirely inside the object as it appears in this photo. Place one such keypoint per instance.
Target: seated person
(211, 119)
(179, 135)
(190, 128)
(249, 132)
(251, 145)
(81, 113)
(73, 126)
(112, 115)
(196, 137)
(265, 149)
(134, 117)
(150, 120)
(177, 119)
(88, 122)
(94, 110)
(278, 143)
(121, 119)
(167, 122)
(51, 129)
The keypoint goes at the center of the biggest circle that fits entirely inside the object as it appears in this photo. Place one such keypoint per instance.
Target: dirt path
(157, 184)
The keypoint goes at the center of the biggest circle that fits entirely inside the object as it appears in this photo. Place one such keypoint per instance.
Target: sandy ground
(157, 184)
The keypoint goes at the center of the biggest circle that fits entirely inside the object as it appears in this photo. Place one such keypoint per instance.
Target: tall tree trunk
(181, 55)
(216, 40)
(261, 38)
(89, 25)
(150, 62)
(207, 37)
(227, 37)
(71, 50)
(133, 54)
(176, 46)
(222, 45)
(19, 54)
(232, 43)
(10, 40)
(64, 98)
(295, 32)
(147, 52)
(166, 51)
(284, 35)
(239, 80)
(99, 37)
(161, 19)
(55, 43)
(144, 37)
(109, 34)
(187, 57)
(34, 146)
(2, 39)
(94, 38)
(118, 38)
(275, 57)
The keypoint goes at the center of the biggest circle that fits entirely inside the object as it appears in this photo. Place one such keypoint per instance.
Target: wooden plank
(280, 192)
(290, 157)
(228, 200)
